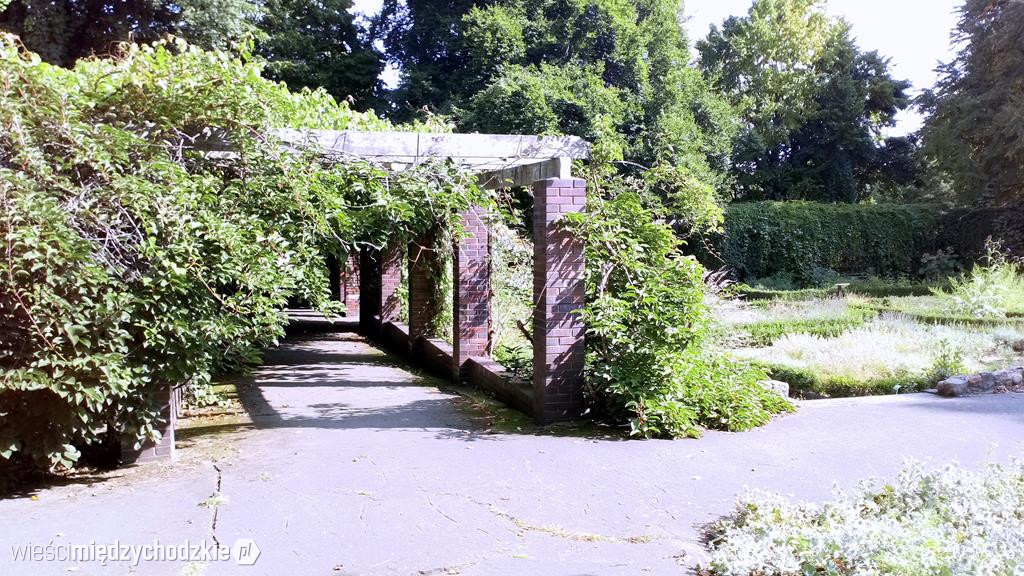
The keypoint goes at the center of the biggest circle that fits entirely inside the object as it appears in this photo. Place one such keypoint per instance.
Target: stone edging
(1011, 379)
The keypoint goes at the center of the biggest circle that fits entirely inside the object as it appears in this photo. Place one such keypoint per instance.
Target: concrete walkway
(354, 465)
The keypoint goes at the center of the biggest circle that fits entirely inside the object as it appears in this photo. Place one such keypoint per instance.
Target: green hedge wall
(800, 239)
(967, 229)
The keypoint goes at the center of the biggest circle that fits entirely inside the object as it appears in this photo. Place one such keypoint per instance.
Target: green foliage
(949, 361)
(547, 66)
(808, 382)
(319, 45)
(813, 103)
(133, 261)
(948, 521)
(799, 238)
(874, 287)
(994, 288)
(766, 332)
(974, 126)
(517, 359)
(544, 100)
(63, 31)
(646, 327)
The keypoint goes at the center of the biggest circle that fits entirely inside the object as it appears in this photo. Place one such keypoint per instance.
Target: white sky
(913, 33)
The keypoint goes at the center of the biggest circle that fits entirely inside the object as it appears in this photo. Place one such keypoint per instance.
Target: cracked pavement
(355, 465)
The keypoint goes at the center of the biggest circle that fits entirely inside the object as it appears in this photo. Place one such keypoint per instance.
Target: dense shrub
(948, 521)
(647, 322)
(133, 261)
(802, 240)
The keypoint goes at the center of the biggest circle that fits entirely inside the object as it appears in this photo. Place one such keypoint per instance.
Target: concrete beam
(526, 175)
(483, 152)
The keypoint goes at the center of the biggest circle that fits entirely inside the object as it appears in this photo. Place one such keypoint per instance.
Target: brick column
(162, 450)
(424, 275)
(350, 285)
(471, 283)
(380, 273)
(558, 291)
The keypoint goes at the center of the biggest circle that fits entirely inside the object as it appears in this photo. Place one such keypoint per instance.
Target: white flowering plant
(950, 521)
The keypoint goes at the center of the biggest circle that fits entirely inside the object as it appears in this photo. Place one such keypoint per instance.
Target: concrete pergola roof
(499, 160)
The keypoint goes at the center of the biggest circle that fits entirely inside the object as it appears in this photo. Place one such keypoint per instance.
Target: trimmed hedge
(767, 332)
(871, 288)
(805, 382)
(800, 239)
(967, 229)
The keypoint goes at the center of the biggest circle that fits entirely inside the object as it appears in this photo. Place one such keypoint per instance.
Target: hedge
(803, 240)
(967, 229)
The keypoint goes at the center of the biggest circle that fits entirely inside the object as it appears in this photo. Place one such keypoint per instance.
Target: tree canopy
(591, 68)
(320, 45)
(975, 127)
(813, 104)
(62, 31)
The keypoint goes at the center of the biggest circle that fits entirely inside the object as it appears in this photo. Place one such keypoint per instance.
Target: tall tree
(422, 38)
(319, 44)
(975, 128)
(582, 67)
(62, 31)
(813, 104)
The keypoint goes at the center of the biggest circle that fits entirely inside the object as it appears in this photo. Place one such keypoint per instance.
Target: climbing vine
(153, 229)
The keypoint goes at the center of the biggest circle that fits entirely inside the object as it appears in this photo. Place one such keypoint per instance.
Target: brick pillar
(380, 274)
(162, 450)
(471, 283)
(350, 285)
(424, 275)
(557, 292)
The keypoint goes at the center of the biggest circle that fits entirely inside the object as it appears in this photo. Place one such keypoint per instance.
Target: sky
(915, 34)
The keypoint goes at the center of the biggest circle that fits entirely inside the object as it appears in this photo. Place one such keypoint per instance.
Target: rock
(1003, 378)
(955, 386)
(981, 383)
(780, 388)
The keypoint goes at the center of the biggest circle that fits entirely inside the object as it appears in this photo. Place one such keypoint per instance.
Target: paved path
(354, 465)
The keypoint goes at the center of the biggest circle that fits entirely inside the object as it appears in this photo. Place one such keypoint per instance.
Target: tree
(813, 103)
(314, 45)
(422, 38)
(975, 128)
(62, 31)
(591, 68)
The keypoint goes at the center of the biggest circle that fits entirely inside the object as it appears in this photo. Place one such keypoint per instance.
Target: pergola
(370, 279)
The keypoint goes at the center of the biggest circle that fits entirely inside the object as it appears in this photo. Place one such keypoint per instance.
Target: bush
(949, 521)
(993, 289)
(646, 327)
(803, 239)
(134, 262)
